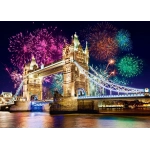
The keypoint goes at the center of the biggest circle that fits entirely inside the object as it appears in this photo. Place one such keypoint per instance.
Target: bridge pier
(65, 105)
(21, 106)
(86, 106)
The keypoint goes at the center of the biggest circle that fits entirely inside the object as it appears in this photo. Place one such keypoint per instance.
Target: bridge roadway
(104, 97)
(41, 103)
(116, 97)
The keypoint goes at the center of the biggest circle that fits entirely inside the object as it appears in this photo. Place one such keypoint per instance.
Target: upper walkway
(52, 68)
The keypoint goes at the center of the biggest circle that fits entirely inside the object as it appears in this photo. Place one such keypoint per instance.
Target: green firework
(130, 66)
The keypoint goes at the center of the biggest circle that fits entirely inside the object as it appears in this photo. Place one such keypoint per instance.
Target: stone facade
(5, 97)
(32, 84)
(73, 78)
(67, 104)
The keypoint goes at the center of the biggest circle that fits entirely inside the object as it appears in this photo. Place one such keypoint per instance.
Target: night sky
(140, 36)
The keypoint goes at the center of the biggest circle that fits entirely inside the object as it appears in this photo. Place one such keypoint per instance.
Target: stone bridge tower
(73, 78)
(32, 84)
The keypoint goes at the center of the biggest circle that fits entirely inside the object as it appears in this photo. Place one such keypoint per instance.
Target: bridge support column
(21, 106)
(65, 105)
(110, 92)
(32, 86)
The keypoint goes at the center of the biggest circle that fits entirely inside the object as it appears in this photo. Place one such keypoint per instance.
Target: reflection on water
(45, 120)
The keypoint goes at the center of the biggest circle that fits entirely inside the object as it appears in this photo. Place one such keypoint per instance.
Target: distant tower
(73, 78)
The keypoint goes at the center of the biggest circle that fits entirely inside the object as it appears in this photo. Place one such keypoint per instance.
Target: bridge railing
(112, 96)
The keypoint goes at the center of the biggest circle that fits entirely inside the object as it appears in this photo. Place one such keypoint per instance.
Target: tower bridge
(75, 68)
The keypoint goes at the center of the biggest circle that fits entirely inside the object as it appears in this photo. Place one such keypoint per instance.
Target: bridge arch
(81, 92)
(33, 98)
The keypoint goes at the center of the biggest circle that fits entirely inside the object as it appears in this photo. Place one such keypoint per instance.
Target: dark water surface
(45, 120)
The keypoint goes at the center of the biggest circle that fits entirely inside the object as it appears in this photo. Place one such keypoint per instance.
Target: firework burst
(123, 40)
(130, 66)
(102, 42)
(21, 50)
(57, 83)
(16, 78)
(47, 46)
(44, 44)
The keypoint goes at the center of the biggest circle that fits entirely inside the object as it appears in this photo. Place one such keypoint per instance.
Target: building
(5, 97)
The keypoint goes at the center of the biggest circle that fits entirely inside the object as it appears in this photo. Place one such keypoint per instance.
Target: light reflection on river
(45, 120)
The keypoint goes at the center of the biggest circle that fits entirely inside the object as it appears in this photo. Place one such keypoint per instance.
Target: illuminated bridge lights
(41, 103)
(99, 81)
(111, 96)
(102, 82)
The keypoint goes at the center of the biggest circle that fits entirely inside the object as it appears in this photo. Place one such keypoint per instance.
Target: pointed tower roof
(76, 41)
(72, 40)
(33, 63)
(65, 43)
(86, 48)
(86, 45)
(33, 57)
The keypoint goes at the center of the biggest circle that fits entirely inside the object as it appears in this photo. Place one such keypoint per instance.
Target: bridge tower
(73, 78)
(32, 84)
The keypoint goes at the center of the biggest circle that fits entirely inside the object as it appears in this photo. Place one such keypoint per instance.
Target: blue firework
(57, 83)
(123, 40)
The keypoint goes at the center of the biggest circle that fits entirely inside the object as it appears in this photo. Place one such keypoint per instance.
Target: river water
(46, 120)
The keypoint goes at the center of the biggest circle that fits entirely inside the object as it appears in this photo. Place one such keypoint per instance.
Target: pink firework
(21, 50)
(48, 79)
(47, 45)
(16, 78)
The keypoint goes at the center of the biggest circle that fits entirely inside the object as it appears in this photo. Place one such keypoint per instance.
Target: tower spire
(72, 40)
(76, 41)
(33, 63)
(65, 42)
(33, 58)
(86, 48)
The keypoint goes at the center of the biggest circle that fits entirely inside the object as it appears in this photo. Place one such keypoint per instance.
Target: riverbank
(125, 111)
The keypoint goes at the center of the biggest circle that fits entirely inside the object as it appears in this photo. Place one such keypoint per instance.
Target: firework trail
(8, 70)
